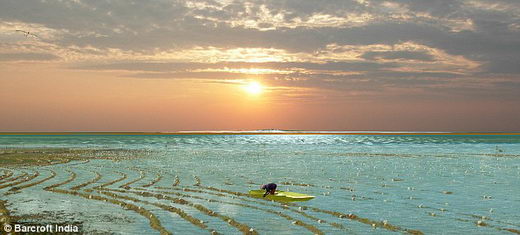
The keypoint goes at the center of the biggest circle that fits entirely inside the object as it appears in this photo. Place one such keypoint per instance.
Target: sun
(253, 88)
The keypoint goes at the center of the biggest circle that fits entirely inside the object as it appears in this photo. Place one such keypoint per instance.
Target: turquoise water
(434, 184)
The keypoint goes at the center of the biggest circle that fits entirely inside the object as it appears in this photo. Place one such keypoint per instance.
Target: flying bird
(27, 33)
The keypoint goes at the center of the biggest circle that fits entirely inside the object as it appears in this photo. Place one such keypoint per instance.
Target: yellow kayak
(282, 196)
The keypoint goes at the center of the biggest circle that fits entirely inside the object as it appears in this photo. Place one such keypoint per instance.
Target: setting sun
(253, 88)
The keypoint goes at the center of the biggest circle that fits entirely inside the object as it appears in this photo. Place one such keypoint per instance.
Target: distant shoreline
(259, 133)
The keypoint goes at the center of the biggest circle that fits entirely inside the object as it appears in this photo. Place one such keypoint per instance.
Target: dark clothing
(269, 187)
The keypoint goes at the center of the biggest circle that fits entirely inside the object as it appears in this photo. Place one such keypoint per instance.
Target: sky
(163, 65)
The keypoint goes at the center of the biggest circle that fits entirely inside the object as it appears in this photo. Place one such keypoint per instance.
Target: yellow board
(282, 196)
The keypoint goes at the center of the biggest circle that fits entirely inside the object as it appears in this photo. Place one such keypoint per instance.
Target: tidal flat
(198, 184)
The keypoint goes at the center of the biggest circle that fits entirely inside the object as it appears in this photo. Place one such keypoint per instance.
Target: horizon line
(258, 132)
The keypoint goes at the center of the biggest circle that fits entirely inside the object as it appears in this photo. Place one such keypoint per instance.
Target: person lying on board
(269, 189)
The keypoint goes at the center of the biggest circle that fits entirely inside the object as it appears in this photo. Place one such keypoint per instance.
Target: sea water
(435, 184)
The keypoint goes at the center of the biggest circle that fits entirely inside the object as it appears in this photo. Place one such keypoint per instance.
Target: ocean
(198, 184)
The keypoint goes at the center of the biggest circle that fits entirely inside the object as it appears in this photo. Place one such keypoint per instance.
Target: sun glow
(253, 88)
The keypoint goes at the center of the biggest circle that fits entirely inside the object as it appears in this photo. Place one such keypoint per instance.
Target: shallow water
(433, 184)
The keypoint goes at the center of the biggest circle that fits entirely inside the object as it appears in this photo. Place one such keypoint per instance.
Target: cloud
(398, 55)
(27, 57)
(353, 43)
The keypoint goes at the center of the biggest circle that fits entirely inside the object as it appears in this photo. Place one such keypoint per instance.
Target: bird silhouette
(27, 33)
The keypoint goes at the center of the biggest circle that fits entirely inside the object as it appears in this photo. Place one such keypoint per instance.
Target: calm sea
(436, 184)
